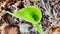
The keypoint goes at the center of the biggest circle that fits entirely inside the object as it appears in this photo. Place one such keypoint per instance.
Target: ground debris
(12, 25)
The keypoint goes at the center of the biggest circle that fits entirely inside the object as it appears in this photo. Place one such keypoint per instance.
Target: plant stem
(39, 29)
(11, 13)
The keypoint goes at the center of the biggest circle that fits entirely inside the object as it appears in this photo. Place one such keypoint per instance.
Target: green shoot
(31, 14)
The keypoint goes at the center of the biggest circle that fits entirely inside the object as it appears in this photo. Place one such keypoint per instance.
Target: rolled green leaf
(31, 14)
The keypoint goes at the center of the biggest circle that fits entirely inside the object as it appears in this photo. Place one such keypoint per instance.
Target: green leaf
(31, 14)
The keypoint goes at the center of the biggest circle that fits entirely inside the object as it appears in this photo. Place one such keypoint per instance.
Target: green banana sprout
(31, 14)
